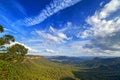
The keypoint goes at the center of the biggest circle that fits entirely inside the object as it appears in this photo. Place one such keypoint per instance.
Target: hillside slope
(39, 68)
(92, 68)
(35, 68)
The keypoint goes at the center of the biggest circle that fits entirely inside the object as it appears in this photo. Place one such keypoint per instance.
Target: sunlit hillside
(32, 68)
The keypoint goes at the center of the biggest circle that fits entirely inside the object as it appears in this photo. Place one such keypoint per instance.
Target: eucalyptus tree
(15, 52)
(1, 29)
(2, 42)
(6, 39)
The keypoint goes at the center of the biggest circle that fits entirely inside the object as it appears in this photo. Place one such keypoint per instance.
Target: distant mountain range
(84, 60)
(92, 68)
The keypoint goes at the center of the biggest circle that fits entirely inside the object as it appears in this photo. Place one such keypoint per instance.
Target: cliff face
(32, 57)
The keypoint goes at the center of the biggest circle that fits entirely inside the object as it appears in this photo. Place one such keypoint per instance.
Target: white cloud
(50, 51)
(50, 10)
(102, 26)
(79, 49)
(34, 40)
(102, 3)
(30, 50)
(55, 38)
(50, 37)
(105, 29)
(51, 29)
(78, 45)
(71, 29)
(58, 33)
(109, 8)
(62, 35)
(54, 35)
(9, 30)
(85, 34)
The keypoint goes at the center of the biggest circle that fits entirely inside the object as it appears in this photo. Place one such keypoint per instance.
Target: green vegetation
(6, 39)
(14, 53)
(93, 68)
(93, 74)
(6, 71)
(41, 69)
(32, 68)
(100, 69)
(38, 68)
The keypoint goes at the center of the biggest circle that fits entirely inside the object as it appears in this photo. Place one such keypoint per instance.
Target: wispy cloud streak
(51, 9)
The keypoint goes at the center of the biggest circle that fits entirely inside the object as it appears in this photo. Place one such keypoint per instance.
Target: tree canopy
(17, 49)
(15, 52)
(8, 38)
(1, 29)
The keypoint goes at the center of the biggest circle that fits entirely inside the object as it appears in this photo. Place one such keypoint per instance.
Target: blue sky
(64, 27)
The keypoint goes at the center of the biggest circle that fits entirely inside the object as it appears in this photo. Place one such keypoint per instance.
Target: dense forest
(92, 68)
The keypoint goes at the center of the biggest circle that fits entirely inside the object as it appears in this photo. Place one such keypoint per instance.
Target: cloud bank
(105, 29)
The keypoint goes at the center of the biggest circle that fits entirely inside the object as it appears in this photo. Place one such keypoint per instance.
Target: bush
(6, 71)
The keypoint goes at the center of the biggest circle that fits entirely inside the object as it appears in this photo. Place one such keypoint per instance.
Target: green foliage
(11, 57)
(42, 69)
(6, 71)
(94, 68)
(1, 28)
(8, 38)
(2, 41)
(39, 69)
(93, 74)
(14, 53)
(17, 49)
